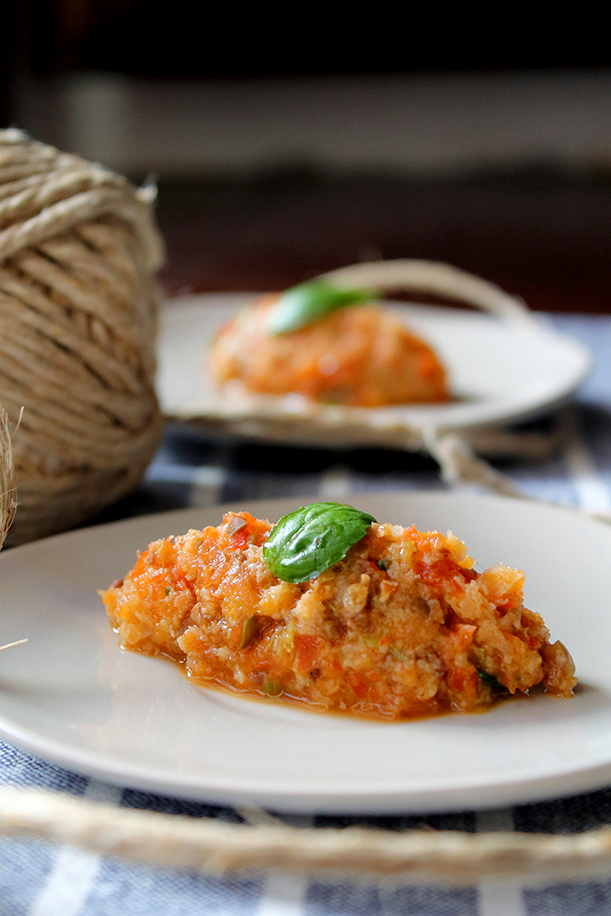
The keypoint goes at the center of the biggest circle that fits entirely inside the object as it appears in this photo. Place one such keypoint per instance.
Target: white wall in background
(424, 124)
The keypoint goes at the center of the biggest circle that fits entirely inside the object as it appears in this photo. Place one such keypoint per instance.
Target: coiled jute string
(78, 305)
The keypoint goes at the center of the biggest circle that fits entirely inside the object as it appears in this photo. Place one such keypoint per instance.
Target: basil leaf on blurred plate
(308, 302)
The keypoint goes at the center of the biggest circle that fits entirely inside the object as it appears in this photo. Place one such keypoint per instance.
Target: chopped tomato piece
(307, 649)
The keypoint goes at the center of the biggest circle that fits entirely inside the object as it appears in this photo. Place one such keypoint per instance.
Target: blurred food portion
(359, 355)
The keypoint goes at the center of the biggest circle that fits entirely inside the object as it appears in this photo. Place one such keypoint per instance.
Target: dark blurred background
(282, 154)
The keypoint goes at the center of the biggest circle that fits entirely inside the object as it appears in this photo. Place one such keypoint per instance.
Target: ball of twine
(78, 304)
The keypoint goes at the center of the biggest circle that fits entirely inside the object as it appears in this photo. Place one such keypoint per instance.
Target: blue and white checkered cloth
(39, 879)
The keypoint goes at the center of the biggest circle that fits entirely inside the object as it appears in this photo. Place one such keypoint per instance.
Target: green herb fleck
(489, 680)
(250, 631)
(309, 302)
(383, 564)
(372, 642)
(167, 589)
(306, 542)
(272, 689)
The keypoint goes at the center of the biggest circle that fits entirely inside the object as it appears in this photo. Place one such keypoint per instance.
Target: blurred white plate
(499, 372)
(73, 696)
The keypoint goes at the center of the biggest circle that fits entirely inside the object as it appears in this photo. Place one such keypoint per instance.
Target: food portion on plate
(331, 345)
(332, 610)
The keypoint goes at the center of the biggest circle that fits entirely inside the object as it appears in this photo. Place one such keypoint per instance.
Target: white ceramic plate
(72, 696)
(499, 372)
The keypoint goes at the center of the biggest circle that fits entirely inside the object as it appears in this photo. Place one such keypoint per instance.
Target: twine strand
(212, 846)
(415, 276)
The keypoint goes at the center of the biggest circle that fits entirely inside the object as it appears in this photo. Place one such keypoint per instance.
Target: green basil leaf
(308, 302)
(306, 542)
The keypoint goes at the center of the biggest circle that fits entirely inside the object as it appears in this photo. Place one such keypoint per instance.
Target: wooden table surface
(541, 234)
